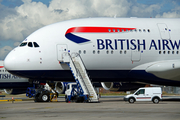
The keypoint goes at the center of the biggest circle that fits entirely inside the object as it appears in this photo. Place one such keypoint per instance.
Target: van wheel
(131, 100)
(156, 100)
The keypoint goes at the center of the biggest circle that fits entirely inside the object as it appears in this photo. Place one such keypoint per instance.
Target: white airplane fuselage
(112, 49)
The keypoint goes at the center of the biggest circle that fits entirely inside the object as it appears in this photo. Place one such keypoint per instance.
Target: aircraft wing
(168, 69)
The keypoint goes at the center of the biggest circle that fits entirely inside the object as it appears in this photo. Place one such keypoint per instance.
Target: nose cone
(10, 61)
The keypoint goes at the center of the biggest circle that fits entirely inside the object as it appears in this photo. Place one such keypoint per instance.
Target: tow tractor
(43, 93)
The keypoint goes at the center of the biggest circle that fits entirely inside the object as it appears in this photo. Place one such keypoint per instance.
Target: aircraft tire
(79, 99)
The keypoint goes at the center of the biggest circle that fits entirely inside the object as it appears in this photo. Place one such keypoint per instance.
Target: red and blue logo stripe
(69, 33)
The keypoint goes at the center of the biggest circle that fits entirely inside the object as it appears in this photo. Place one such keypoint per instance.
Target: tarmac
(109, 108)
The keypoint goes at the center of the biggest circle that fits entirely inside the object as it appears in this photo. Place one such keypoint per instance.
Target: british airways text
(134, 44)
(8, 76)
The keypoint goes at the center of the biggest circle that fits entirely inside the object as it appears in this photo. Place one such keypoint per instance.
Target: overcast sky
(19, 18)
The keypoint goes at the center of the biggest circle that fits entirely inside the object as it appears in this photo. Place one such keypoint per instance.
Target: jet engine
(15, 91)
(60, 87)
(121, 86)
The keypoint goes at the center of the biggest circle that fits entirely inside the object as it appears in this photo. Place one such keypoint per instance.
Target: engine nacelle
(121, 86)
(60, 87)
(15, 91)
(110, 86)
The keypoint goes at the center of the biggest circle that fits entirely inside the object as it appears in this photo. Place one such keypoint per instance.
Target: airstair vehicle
(84, 91)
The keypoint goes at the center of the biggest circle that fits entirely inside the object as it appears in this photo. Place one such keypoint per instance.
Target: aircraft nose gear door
(61, 48)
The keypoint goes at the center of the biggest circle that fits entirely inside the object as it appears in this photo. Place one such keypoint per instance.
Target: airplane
(113, 50)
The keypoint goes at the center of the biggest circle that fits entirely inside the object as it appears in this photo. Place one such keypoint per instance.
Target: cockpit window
(35, 44)
(23, 44)
(30, 44)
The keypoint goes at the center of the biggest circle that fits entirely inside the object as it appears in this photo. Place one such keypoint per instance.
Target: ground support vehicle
(153, 94)
(43, 93)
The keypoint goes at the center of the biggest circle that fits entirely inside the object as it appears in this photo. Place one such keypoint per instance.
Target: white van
(153, 94)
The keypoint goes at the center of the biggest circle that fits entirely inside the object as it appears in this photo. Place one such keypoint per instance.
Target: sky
(19, 18)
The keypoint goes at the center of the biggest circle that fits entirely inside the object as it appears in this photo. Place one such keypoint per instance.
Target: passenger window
(79, 51)
(98, 51)
(30, 44)
(23, 44)
(35, 44)
(93, 51)
(84, 51)
(140, 92)
(148, 30)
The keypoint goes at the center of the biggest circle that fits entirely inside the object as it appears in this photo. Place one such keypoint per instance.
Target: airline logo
(77, 39)
(8, 76)
(1, 66)
(119, 43)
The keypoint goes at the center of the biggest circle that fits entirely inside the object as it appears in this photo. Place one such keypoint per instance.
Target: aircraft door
(164, 31)
(61, 48)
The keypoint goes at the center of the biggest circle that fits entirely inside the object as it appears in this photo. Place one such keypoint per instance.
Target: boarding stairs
(84, 85)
